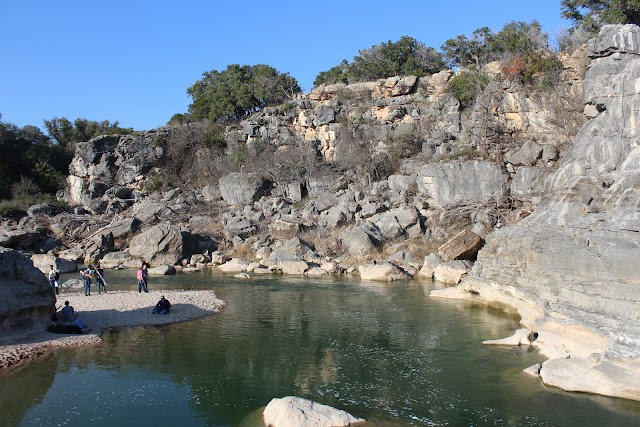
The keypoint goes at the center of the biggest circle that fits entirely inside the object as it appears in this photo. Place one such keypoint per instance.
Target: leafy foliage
(476, 50)
(238, 91)
(407, 56)
(484, 46)
(29, 162)
(590, 14)
(466, 86)
(66, 133)
(337, 74)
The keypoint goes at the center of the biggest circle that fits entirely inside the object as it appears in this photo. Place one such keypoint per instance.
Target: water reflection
(384, 352)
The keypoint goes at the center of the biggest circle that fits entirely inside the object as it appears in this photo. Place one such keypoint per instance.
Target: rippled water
(384, 352)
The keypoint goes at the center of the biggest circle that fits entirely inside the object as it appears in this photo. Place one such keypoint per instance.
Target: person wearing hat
(162, 307)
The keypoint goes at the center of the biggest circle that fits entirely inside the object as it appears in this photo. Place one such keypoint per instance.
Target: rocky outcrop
(242, 189)
(297, 412)
(26, 298)
(104, 167)
(160, 244)
(574, 264)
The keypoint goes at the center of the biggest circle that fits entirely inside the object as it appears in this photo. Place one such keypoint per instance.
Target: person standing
(145, 276)
(142, 283)
(52, 279)
(86, 275)
(100, 282)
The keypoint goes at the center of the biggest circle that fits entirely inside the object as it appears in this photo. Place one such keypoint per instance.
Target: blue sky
(132, 61)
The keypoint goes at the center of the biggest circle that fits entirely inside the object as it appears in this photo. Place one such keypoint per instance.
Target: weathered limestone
(160, 244)
(444, 183)
(293, 411)
(27, 300)
(464, 245)
(382, 271)
(242, 189)
(573, 266)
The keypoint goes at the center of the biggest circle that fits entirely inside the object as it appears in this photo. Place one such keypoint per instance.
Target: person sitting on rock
(162, 307)
(68, 314)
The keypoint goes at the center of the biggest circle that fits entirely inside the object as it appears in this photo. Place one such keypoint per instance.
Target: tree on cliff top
(238, 91)
(516, 38)
(590, 14)
(67, 133)
(405, 57)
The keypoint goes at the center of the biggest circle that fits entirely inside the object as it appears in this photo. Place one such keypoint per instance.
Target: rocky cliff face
(577, 257)
(26, 299)
(410, 110)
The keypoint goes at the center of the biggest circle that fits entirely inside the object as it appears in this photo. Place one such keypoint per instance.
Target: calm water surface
(384, 352)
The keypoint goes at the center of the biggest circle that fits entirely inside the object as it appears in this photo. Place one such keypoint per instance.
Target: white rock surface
(520, 337)
(293, 411)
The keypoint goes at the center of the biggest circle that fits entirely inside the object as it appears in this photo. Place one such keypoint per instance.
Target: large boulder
(286, 261)
(361, 240)
(43, 261)
(119, 259)
(242, 189)
(26, 298)
(444, 183)
(382, 271)
(464, 245)
(293, 411)
(160, 244)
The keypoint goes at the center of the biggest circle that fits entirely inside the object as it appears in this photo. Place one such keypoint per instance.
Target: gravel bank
(111, 310)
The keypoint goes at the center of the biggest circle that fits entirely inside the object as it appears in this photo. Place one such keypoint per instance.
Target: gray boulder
(160, 244)
(241, 189)
(382, 271)
(361, 240)
(26, 298)
(449, 182)
(119, 259)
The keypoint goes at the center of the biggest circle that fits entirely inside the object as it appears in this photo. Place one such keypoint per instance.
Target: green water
(384, 352)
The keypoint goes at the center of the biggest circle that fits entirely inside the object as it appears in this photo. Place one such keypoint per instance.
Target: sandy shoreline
(111, 310)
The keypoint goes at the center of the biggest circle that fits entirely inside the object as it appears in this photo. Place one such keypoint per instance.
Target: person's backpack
(57, 275)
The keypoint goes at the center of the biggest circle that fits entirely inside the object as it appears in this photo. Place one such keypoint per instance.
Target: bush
(466, 86)
(533, 68)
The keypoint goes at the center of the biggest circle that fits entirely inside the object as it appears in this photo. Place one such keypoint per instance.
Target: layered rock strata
(572, 268)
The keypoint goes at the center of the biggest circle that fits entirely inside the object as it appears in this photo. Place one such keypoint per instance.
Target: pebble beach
(111, 310)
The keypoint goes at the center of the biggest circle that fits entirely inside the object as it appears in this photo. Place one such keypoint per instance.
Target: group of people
(87, 276)
(69, 316)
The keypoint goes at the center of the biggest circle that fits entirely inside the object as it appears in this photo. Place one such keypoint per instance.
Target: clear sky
(132, 61)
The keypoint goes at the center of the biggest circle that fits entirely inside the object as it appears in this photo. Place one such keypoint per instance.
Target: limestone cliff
(573, 266)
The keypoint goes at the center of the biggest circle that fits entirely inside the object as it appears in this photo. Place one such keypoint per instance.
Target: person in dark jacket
(162, 307)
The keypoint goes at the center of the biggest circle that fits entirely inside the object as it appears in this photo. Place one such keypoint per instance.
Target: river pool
(384, 352)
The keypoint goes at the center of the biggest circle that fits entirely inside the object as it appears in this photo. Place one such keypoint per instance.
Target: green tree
(407, 56)
(520, 38)
(27, 155)
(337, 74)
(464, 51)
(67, 134)
(590, 14)
(238, 91)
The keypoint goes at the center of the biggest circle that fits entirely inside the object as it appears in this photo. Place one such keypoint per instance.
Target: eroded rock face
(242, 189)
(160, 244)
(26, 298)
(578, 254)
(444, 183)
(297, 412)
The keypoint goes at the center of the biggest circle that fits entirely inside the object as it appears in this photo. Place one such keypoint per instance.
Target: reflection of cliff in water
(20, 392)
(301, 339)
